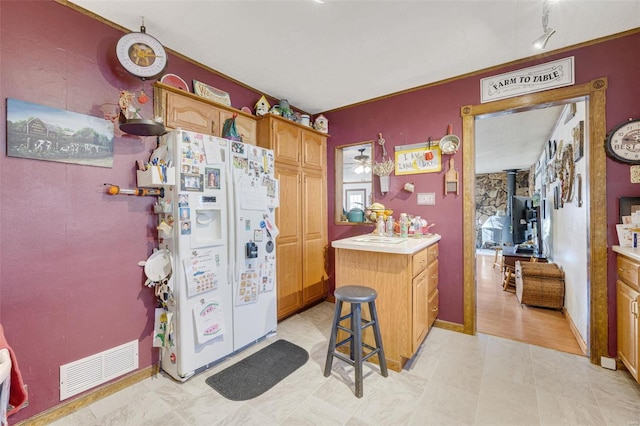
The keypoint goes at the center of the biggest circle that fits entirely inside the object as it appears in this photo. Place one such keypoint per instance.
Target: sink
(380, 240)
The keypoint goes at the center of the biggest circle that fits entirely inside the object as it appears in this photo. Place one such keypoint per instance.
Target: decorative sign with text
(418, 158)
(547, 76)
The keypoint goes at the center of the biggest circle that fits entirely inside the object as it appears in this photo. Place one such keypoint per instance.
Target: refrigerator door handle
(231, 212)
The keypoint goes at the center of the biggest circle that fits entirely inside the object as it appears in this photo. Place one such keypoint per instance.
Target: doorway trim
(595, 91)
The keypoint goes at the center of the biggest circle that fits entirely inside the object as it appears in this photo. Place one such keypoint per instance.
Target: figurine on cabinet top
(285, 109)
(321, 124)
(262, 106)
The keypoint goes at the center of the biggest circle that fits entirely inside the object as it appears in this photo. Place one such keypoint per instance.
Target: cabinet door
(286, 144)
(190, 114)
(245, 126)
(289, 242)
(627, 306)
(420, 299)
(314, 151)
(289, 275)
(314, 236)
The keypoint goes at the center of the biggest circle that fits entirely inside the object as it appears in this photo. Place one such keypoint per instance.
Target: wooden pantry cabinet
(301, 246)
(628, 296)
(187, 111)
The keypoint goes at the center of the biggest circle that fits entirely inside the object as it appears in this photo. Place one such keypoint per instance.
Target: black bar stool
(355, 295)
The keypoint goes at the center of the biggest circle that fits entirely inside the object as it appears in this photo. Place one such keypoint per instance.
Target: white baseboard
(574, 330)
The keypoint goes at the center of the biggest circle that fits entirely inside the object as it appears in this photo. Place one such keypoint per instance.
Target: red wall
(70, 284)
(413, 117)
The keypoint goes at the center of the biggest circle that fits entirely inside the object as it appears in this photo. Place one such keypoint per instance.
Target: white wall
(566, 229)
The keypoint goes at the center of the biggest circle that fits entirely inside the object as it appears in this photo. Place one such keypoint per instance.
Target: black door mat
(259, 372)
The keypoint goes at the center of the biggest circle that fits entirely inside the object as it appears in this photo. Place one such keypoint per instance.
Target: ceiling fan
(362, 162)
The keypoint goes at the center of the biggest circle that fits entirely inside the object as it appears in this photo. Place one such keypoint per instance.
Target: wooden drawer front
(432, 272)
(420, 261)
(628, 271)
(432, 252)
(432, 309)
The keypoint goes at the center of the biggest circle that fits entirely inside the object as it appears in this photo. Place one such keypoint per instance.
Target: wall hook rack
(141, 192)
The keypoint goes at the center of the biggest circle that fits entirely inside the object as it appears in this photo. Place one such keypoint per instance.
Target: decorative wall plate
(174, 81)
(567, 173)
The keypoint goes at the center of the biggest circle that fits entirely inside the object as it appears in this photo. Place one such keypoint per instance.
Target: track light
(541, 42)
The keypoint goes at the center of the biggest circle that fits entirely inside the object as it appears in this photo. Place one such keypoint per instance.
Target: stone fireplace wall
(491, 196)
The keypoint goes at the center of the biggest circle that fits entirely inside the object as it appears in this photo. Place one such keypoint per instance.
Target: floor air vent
(94, 370)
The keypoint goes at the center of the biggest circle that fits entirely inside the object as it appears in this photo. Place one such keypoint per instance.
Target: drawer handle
(434, 276)
(434, 309)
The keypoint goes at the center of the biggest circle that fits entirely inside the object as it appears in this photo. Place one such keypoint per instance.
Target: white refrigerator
(222, 243)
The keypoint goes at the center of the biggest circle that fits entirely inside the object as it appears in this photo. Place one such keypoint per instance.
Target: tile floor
(455, 379)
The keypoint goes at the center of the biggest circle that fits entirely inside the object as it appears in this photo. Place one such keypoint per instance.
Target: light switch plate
(426, 198)
(635, 174)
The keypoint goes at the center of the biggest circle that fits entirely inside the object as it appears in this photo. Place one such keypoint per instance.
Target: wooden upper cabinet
(190, 114)
(187, 111)
(293, 143)
(286, 142)
(246, 127)
(314, 151)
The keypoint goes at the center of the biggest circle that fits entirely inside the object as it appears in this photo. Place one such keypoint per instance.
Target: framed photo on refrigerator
(191, 182)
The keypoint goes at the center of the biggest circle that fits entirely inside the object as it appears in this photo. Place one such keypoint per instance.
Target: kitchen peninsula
(404, 272)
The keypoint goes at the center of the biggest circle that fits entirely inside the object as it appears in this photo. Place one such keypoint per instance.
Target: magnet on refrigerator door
(209, 319)
(248, 288)
(185, 228)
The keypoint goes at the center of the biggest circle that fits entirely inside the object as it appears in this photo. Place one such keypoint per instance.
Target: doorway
(595, 92)
(516, 176)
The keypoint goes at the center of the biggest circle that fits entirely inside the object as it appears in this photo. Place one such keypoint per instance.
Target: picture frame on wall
(578, 141)
(628, 205)
(40, 132)
(571, 112)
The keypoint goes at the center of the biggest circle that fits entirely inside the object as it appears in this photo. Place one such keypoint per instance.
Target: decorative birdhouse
(262, 106)
(321, 124)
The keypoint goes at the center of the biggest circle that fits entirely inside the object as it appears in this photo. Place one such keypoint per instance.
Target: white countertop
(395, 245)
(633, 253)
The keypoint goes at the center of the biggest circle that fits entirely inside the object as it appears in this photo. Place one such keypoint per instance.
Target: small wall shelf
(156, 176)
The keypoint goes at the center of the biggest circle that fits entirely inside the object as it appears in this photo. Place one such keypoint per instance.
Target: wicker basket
(540, 284)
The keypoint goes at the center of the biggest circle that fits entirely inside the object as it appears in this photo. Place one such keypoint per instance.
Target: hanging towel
(17, 392)
(5, 384)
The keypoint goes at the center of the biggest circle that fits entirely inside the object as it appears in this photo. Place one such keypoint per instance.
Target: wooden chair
(509, 274)
(497, 256)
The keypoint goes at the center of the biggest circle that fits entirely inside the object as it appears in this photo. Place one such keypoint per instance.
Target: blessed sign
(547, 76)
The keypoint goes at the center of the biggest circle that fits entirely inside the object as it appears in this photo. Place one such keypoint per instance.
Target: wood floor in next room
(500, 314)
